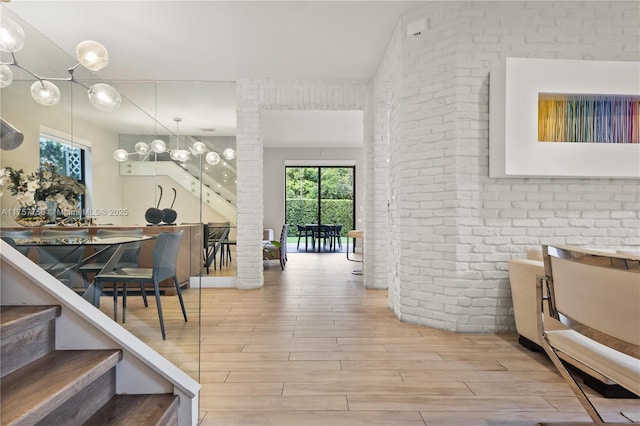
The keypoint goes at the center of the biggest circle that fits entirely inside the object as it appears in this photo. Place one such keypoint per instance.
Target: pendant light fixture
(90, 54)
(176, 154)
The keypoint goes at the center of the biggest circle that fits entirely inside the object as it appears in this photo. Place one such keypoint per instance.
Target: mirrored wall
(115, 155)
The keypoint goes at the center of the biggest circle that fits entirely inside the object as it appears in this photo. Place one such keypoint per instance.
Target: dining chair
(215, 235)
(9, 236)
(225, 251)
(336, 239)
(324, 236)
(594, 296)
(164, 259)
(57, 259)
(273, 251)
(306, 232)
(129, 258)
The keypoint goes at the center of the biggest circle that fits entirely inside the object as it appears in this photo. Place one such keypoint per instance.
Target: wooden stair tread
(33, 391)
(16, 318)
(134, 410)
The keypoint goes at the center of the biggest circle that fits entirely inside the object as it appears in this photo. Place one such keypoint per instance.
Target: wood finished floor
(314, 347)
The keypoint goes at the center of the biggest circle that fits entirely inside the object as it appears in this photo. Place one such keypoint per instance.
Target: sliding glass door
(322, 195)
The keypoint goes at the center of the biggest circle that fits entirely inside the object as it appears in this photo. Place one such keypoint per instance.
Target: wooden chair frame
(271, 252)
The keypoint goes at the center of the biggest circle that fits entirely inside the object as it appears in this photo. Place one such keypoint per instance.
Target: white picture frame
(514, 149)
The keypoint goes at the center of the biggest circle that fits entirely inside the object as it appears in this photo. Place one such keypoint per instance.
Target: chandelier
(90, 54)
(178, 153)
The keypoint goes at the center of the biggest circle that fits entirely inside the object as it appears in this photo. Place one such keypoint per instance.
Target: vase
(32, 221)
(51, 212)
(31, 217)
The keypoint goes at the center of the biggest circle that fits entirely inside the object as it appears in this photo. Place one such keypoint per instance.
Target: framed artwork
(564, 118)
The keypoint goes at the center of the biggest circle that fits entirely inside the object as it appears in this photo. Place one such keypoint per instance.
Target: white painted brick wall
(254, 96)
(378, 225)
(452, 229)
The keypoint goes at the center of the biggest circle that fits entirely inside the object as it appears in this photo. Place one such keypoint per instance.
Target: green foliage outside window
(302, 197)
(56, 154)
(333, 211)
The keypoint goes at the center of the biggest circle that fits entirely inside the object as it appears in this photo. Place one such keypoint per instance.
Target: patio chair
(336, 239)
(595, 295)
(325, 233)
(306, 232)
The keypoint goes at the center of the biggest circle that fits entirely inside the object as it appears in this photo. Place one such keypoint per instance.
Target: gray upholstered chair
(60, 260)
(9, 236)
(164, 258)
(129, 259)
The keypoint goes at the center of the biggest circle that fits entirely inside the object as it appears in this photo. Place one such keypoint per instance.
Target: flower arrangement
(34, 190)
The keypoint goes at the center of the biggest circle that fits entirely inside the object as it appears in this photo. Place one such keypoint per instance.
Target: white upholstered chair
(596, 295)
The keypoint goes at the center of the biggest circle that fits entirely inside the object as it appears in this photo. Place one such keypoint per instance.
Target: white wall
(116, 199)
(143, 194)
(453, 229)
(274, 177)
(262, 94)
(25, 114)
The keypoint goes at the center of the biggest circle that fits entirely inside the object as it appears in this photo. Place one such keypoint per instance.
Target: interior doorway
(321, 200)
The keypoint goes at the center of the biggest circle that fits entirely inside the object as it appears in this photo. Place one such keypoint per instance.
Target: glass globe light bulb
(120, 155)
(212, 158)
(173, 154)
(229, 154)
(92, 55)
(11, 35)
(158, 146)
(199, 147)
(6, 76)
(142, 148)
(104, 97)
(45, 92)
(182, 155)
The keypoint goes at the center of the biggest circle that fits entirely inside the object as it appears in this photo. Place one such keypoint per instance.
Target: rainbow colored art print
(588, 118)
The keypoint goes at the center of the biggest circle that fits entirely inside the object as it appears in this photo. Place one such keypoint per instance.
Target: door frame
(313, 165)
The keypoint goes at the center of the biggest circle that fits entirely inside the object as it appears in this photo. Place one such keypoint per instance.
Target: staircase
(42, 385)
(221, 201)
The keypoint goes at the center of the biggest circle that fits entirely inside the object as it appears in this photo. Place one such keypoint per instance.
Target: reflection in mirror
(119, 193)
(189, 115)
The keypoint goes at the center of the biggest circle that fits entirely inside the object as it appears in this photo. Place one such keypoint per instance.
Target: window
(320, 194)
(67, 159)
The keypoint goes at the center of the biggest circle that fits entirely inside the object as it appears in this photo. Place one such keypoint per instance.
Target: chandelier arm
(13, 60)
(77, 82)
(27, 70)
(91, 54)
(14, 63)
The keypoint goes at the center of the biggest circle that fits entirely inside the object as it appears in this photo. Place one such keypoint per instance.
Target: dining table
(75, 243)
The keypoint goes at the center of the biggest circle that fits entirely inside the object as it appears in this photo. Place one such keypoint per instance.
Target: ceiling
(327, 129)
(228, 40)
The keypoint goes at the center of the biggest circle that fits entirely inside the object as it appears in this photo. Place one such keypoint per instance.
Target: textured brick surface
(438, 231)
(450, 229)
(254, 96)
